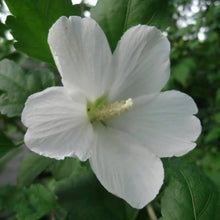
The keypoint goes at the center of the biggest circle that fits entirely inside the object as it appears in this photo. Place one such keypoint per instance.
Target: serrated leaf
(31, 167)
(7, 197)
(116, 16)
(84, 192)
(5, 144)
(29, 203)
(31, 21)
(36, 202)
(18, 85)
(189, 194)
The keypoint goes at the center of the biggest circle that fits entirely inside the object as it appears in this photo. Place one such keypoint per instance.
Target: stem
(8, 157)
(19, 143)
(151, 212)
(52, 215)
(19, 126)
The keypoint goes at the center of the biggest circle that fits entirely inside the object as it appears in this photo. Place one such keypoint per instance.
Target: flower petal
(164, 123)
(82, 54)
(141, 62)
(125, 168)
(57, 124)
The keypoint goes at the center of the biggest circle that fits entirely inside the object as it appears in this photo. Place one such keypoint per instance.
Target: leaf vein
(15, 83)
(206, 204)
(127, 14)
(191, 194)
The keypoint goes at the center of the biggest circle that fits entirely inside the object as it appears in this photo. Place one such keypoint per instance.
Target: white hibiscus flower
(110, 109)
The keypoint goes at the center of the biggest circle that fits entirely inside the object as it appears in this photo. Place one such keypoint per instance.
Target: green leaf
(30, 203)
(5, 144)
(181, 71)
(189, 194)
(213, 135)
(31, 21)
(7, 194)
(217, 117)
(64, 168)
(18, 85)
(3, 28)
(217, 98)
(36, 202)
(89, 199)
(31, 167)
(116, 16)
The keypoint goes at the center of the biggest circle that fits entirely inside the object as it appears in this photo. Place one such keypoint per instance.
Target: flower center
(99, 111)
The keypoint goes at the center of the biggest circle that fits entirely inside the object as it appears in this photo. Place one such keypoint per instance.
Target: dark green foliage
(189, 194)
(28, 203)
(195, 71)
(82, 191)
(31, 167)
(3, 28)
(77, 191)
(31, 22)
(5, 144)
(116, 16)
(64, 168)
(18, 85)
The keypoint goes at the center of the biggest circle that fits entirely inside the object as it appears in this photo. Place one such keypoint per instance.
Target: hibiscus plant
(101, 131)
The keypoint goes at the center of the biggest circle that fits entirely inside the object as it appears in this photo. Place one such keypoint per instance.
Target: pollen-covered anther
(113, 109)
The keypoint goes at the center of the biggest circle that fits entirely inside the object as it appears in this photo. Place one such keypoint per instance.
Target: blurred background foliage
(195, 69)
(193, 28)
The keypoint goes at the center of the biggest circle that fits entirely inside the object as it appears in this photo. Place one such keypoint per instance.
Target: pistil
(104, 112)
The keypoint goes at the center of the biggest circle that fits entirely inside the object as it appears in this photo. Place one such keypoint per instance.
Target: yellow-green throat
(100, 110)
